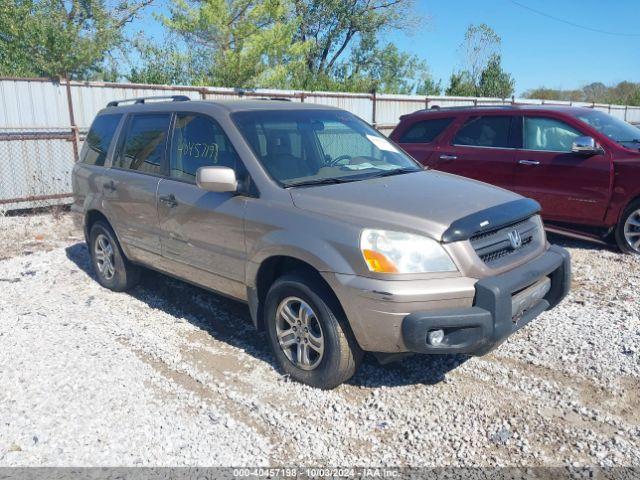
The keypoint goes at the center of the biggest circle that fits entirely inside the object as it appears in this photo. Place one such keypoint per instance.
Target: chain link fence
(35, 167)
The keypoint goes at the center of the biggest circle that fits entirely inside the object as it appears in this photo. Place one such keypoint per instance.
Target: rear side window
(96, 145)
(489, 131)
(425, 131)
(199, 141)
(144, 143)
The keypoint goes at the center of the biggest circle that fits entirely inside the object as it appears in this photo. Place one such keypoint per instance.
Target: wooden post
(373, 114)
(74, 128)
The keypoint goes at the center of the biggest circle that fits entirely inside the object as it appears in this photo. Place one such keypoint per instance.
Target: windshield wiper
(397, 171)
(317, 181)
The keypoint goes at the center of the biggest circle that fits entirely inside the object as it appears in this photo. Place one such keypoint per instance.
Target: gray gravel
(172, 375)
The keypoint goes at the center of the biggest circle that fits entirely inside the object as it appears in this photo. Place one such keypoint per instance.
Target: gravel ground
(172, 375)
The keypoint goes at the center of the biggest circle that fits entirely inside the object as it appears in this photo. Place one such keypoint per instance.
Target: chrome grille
(495, 247)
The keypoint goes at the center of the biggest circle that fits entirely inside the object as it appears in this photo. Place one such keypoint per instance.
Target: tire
(628, 229)
(116, 272)
(341, 355)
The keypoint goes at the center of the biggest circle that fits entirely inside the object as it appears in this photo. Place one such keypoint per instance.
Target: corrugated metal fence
(42, 124)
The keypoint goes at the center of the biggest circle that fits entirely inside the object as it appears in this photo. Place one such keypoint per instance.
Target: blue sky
(536, 50)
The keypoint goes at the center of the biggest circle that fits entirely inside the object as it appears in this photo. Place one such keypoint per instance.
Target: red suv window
(425, 131)
(487, 131)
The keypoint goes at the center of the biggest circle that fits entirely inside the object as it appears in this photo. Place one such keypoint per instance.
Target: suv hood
(426, 202)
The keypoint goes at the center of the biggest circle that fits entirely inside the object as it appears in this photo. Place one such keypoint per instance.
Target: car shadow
(569, 242)
(229, 321)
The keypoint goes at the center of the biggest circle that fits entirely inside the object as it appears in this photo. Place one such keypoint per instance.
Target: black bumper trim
(479, 329)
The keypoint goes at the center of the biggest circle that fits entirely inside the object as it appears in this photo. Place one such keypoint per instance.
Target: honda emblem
(515, 239)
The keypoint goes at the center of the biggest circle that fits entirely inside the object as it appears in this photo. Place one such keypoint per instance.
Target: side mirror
(217, 179)
(585, 145)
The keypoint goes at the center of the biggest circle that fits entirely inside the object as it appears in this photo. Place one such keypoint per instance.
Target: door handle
(528, 162)
(169, 200)
(448, 157)
(110, 186)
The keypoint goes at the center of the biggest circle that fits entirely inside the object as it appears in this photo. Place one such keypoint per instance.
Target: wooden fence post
(373, 113)
(72, 120)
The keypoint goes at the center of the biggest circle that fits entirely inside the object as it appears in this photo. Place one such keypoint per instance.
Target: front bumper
(482, 327)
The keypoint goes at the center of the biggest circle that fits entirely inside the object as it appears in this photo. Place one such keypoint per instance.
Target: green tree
(384, 69)
(55, 38)
(482, 75)
(595, 92)
(481, 44)
(494, 81)
(167, 64)
(461, 85)
(334, 28)
(300, 44)
(635, 97)
(243, 43)
(624, 93)
(428, 86)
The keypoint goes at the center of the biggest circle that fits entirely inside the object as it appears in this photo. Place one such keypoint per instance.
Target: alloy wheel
(299, 333)
(103, 253)
(632, 230)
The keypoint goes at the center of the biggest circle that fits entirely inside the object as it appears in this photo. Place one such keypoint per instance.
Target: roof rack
(173, 98)
(475, 107)
(438, 108)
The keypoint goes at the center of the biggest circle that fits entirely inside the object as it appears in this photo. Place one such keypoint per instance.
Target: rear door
(420, 138)
(130, 192)
(571, 187)
(202, 232)
(481, 148)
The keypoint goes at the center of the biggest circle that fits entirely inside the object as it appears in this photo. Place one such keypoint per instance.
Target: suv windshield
(310, 147)
(617, 130)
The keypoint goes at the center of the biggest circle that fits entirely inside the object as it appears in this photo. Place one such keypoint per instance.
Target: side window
(548, 134)
(144, 143)
(489, 131)
(425, 131)
(199, 141)
(96, 145)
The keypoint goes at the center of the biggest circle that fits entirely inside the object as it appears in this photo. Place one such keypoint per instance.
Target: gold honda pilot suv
(338, 241)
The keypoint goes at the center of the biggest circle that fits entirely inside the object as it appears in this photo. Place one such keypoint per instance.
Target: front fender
(320, 253)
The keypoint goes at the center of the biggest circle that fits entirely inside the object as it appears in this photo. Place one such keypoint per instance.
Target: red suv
(580, 164)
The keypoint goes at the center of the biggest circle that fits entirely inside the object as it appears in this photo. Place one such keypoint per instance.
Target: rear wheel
(628, 230)
(308, 334)
(112, 268)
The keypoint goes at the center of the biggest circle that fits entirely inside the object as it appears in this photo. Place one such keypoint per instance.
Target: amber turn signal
(377, 262)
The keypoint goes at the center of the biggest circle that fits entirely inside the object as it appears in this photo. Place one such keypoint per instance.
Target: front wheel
(308, 333)
(628, 229)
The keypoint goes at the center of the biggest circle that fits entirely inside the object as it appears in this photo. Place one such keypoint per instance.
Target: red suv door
(571, 187)
(420, 137)
(480, 148)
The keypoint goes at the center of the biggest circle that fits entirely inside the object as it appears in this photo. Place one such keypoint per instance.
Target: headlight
(397, 252)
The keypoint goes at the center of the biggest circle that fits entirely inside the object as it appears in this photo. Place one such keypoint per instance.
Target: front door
(571, 187)
(481, 149)
(202, 233)
(130, 191)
